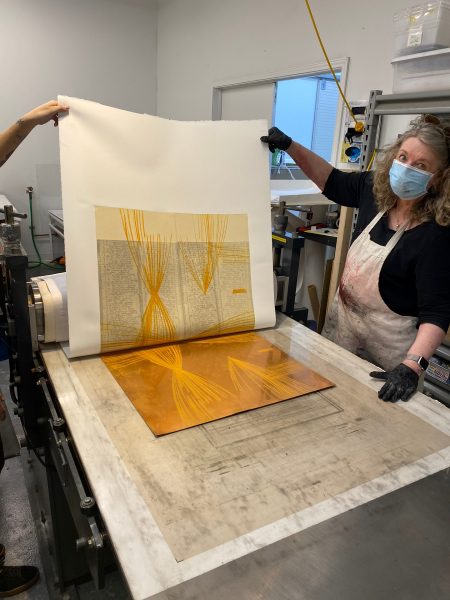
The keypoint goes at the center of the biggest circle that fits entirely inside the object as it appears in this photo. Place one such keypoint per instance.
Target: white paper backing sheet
(114, 158)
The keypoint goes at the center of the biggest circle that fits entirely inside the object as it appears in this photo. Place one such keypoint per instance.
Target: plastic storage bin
(422, 28)
(422, 72)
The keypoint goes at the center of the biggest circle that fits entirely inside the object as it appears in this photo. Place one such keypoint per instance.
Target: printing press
(251, 506)
(71, 535)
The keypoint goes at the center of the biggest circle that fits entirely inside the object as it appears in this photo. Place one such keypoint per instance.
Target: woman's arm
(12, 137)
(402, 381)
(314, 166)
(428, 338)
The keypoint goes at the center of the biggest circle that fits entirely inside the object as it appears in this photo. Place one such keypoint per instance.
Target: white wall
(128, 54)
(201, 42)
(102, 50)
(204, 42)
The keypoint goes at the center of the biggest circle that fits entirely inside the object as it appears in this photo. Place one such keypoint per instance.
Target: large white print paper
(164, 221)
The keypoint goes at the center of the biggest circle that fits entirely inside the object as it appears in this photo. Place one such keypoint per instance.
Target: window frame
(340, 64)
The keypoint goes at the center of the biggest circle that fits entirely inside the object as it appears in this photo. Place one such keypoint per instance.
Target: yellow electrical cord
(372, 158)
(359, 126)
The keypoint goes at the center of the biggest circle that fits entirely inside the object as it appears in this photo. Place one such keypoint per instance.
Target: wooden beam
(325, 292)
(314, 300)
(342, 244)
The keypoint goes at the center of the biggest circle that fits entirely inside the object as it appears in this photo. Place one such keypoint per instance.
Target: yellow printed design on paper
(165, 277)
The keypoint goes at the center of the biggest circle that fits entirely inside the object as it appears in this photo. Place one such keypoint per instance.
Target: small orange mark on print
(239, 291)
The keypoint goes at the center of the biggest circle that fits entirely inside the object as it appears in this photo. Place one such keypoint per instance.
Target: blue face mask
(408, 183)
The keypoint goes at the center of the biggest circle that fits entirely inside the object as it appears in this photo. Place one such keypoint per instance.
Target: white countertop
(4, 200)
(57, 213)
(296, 193)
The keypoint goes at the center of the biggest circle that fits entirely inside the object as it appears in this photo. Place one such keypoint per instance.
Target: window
(306, 109)
(304, 102)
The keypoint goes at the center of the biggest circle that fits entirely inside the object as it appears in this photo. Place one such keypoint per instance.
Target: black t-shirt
(415, 277)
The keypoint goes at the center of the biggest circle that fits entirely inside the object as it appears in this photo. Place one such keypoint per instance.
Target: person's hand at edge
(275, 138)
(44, 113)
(401, 383)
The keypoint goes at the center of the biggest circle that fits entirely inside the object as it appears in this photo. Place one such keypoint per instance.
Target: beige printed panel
(170, 277)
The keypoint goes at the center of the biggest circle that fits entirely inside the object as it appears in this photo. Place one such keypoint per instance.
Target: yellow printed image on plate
(177, 386)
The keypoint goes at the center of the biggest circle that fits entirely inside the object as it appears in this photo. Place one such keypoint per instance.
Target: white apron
(359, 320)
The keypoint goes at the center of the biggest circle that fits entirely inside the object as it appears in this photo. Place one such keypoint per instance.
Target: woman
(392, 306)
(14, 580)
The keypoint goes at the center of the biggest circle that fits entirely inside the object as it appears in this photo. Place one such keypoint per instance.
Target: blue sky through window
(305, 109)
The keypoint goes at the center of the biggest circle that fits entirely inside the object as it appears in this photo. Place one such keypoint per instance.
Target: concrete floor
(17, 530)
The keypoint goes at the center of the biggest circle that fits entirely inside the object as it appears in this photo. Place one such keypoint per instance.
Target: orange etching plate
(177, 386)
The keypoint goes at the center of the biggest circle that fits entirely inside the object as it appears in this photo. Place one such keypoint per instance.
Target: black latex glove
(400, 384)
(276, 139)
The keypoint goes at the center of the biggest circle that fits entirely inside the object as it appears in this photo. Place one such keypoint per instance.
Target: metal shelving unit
(437, 103)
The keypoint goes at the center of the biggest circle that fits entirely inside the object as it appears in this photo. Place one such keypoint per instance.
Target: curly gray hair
(435, 205)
